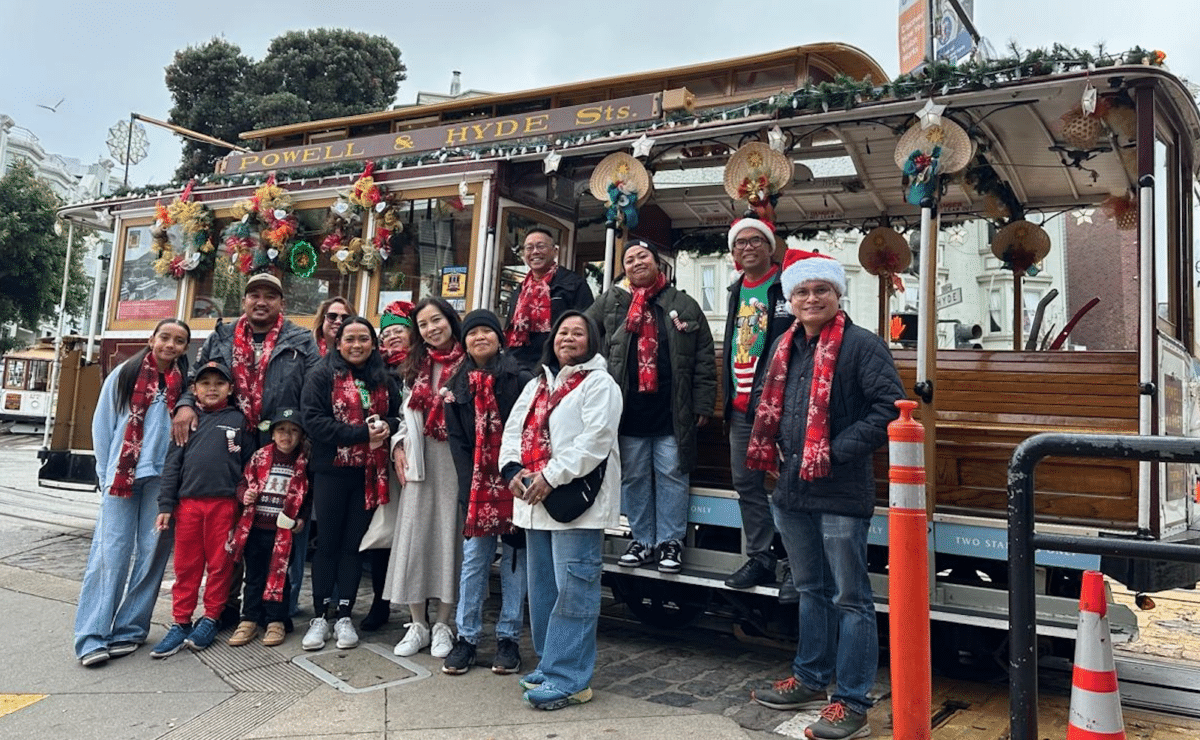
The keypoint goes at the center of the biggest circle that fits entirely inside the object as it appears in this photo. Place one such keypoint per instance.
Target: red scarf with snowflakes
(640, 321)
(258, 470)
(145, 388)
(393, 357)
(489, 510)
(531, 315)
(248, 375)
(322, 346)
(427, 399)
(535, 435)
(353, 402)
(761, 454)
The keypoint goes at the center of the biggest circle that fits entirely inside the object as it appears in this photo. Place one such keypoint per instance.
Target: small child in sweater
(274, 493)
(199, 491)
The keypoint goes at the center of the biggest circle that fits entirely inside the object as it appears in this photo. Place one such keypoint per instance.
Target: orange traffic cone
(1095, 702)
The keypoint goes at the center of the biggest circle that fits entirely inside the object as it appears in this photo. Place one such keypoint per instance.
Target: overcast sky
(105, 60)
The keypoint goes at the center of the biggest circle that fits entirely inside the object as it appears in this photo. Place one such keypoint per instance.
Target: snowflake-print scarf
(640, 321)
(761, 453)
(535, 435)
(532, 312)
(428, 400)
(489, 510)
(352, 404)
(258, 470)
(248, 376)
(145, 388)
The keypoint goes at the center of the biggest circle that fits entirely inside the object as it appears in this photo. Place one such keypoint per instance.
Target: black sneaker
(508, 657)
(838, 722)
(95, 658)
(752, 574)
(787, 587)
(637, 554)
(790, 694)
(460, 659)
(670, 557)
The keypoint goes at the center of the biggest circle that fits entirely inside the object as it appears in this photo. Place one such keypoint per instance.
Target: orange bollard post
(1095, 701)
(908, 578)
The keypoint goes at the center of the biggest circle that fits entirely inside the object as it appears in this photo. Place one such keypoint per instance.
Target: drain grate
(255, 667)
(370, 667)
(231, 719)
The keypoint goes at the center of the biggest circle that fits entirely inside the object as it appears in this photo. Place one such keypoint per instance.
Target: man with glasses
(758, 314)
(821, 410)
(540, 299)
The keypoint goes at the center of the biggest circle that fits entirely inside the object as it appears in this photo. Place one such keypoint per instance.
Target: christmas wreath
(348, 252)
(181, 236)
(264, 234)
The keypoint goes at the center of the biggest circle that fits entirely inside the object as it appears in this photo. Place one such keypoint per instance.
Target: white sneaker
(416, 638)
(343, 629)
(318, 633)
(443, 640)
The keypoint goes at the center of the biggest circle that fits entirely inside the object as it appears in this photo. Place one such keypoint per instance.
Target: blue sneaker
(547, 697)
(533, 679)
(174, 640)
(203, 634)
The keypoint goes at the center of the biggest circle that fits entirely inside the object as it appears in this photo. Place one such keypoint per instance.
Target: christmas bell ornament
(1122, 209)
(1080, 130)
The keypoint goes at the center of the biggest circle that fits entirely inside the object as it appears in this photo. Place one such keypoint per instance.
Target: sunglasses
(334, 317)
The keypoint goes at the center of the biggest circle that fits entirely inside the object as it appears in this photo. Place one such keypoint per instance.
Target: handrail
(1023, 542)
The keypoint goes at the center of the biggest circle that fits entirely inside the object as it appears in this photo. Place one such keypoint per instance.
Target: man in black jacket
(758, 314)
(540, 299)
(822, 409)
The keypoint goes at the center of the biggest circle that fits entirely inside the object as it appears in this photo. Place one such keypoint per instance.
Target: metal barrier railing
(1023, 542)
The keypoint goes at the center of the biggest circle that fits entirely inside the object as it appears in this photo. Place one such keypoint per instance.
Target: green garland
(936, 78)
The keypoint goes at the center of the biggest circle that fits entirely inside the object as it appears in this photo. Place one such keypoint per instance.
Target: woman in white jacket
(562, 427)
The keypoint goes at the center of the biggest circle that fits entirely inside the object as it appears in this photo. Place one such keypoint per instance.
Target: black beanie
(482, 317)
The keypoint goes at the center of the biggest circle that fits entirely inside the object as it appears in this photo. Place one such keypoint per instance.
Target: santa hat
(397, 312)
(800, 266)
(763, 227)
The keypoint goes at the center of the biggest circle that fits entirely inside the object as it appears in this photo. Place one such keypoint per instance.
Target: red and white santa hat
(766, 228)
(800, 266)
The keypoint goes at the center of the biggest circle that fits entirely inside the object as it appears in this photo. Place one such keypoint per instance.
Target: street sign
(950, 298)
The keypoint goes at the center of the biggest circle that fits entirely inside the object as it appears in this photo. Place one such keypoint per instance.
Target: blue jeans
(124, 570)
(564, 603)
(478, 553)
(654, 494)
(296, 568)
(828, 554)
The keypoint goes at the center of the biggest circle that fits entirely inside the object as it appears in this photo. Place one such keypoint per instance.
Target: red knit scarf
(426, 398)
(392, 357)
(322, 346)
(535, 435)
(145, 388)
(532, 312)
(640, 321)
(249, 377)
(258, 470)
(351, 404)
(489, 510)
(761, 453)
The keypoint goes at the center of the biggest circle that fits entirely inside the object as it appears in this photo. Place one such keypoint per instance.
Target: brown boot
(244, 634)
(275, 634)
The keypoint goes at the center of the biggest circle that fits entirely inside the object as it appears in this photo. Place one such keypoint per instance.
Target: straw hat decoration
(885, 253)
(932, 146)
(622, 183)
(1020, 246)
(756, 173)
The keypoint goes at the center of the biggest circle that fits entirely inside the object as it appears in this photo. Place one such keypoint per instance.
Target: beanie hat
(397, 312)
(644, 245)
(800, 266)
(765, 228)
(482, 317)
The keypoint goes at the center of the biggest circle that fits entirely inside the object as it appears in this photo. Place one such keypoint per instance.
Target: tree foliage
(32, 255)
(305, 75)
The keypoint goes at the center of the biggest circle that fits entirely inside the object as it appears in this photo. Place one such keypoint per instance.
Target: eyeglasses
(528, 248)
(819, 291)
(334, 317)
(754, 241)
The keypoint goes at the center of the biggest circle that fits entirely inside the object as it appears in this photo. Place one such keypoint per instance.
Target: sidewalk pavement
(263, 693)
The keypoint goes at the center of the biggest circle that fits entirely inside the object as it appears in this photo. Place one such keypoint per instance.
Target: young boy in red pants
(199, 487)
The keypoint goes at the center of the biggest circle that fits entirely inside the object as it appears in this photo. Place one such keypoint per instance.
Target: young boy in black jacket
(199, 486)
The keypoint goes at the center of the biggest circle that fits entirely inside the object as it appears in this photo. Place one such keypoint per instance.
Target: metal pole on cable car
(56, 373)
(610, 249)
(927, 334)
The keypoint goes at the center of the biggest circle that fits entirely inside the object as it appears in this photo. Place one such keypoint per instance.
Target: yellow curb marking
(10, 703)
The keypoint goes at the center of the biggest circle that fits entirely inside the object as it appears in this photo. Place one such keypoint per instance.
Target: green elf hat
(397, 312)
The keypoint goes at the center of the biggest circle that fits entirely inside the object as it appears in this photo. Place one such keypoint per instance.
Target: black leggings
(338, 500)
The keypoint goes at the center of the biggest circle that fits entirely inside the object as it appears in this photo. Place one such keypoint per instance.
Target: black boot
(378, 616)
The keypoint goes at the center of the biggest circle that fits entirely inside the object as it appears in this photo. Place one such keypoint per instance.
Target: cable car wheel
(661, 603)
